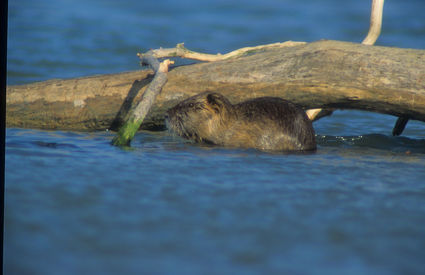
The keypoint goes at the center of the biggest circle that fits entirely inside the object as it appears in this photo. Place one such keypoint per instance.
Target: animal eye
(191, 105)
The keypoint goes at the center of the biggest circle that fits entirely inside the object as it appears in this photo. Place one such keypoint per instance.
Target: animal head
(200, 116)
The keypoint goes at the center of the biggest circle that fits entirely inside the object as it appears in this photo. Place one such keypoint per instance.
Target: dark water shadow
(374, 141)
(54, 145)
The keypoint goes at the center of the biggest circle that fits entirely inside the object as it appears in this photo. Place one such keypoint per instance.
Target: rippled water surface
(74, 204)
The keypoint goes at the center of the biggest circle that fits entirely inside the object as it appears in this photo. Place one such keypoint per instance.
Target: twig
(181, 51)
(315, 114)
(375, 22)
(138, 114)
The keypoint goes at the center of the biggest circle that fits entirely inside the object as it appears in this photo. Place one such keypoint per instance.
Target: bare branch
(181, 51)
(375, 22)
(138, 114)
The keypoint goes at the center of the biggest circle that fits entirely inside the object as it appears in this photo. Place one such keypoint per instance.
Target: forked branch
(181, 51)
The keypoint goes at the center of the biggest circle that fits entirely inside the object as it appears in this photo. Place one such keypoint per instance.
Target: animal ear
(215, 101)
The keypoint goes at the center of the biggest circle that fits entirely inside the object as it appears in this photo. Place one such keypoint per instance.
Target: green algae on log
(137, 114)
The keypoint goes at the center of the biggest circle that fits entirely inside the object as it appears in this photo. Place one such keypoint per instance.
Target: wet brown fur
(266, 123)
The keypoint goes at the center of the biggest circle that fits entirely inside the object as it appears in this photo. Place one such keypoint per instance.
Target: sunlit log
(322, 74)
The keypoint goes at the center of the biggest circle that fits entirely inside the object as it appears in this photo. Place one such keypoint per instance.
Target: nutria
(266, 123)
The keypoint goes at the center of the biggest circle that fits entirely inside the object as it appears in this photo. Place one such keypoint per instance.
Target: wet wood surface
(322, 74)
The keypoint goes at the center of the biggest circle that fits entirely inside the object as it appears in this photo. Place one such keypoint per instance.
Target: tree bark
(322, 74)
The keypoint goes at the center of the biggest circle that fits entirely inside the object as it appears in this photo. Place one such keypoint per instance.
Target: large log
(314, 75)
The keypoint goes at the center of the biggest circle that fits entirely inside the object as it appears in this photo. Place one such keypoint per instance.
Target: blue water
(74, 204)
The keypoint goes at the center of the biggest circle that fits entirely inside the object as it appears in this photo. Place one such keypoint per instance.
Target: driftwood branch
(138, 114)
(323, 74)
(181, 51)
(375, 22)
